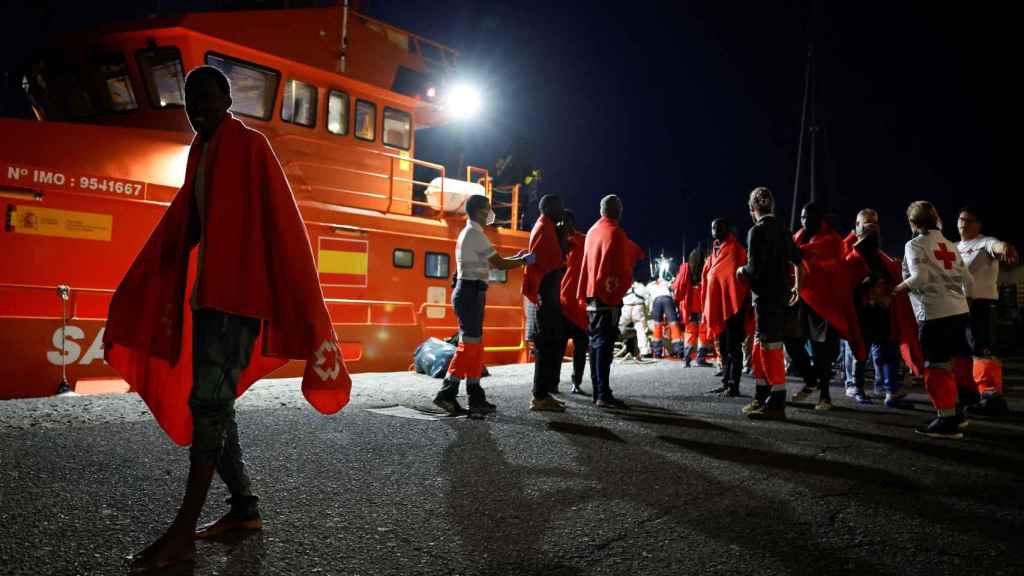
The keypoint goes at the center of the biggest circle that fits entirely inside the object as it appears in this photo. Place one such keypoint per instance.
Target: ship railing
(504, 199)
(431, 51)
(65, 297)
(519, 330)
(391, 177)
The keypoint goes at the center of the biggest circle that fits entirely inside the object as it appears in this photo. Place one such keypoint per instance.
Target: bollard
(64, 293)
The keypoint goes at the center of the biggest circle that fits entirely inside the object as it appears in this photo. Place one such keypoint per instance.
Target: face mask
(865, 229)
(867, 239)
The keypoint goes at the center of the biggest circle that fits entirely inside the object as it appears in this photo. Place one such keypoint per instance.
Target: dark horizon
(682, 108)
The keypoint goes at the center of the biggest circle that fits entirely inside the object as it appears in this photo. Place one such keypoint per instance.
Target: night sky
(682, 107)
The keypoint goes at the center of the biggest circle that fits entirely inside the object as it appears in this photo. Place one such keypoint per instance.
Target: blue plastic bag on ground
(432, 357)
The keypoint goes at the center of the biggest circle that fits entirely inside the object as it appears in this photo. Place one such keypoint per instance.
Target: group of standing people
(576, 283)
(936, 311)
(813, 296)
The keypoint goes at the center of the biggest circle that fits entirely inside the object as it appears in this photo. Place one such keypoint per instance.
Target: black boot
(761, 394)
(687, 351)
(773, 409)
(445, 398)
(478, 403)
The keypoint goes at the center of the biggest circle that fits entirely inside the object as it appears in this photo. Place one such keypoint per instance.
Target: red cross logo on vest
(947, 257)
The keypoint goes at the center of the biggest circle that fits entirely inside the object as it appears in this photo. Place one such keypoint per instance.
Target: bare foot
(170, 549)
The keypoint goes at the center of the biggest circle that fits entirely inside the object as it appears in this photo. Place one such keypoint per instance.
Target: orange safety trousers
(988, 375)
(468, 361)
(940, 384)
(769, 364)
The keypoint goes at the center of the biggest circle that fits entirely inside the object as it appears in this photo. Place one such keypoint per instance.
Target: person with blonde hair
(938, 283)
(771, 257)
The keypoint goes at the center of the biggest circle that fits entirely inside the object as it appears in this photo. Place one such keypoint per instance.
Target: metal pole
(344, 35)
(814, 135)
(803, 129)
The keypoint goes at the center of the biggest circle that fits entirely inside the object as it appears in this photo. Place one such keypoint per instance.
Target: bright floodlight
(463, 101)
(664, 265)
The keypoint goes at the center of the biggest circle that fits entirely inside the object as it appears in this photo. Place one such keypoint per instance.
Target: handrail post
(515, 207)
(440, 211)
(391, 185)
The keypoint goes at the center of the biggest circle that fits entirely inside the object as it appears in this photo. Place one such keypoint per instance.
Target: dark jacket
(770, 251)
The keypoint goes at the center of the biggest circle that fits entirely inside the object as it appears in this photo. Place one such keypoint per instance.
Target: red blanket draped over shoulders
(609, 257)
(724, 295)
(258, 263)
(544, 245)
(827, 285)
(572, 307)
(849, 241)
(903, 324)
(686, 293)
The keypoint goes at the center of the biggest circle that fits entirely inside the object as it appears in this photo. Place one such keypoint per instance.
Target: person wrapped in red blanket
(887, 322)
(609, 258)
(825, 312)
(574, 310)
(686, 290)
(542, 282)
(256, 302)
(726, 304)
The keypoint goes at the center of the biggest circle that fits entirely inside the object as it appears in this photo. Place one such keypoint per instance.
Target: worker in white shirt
(938, 282)
(664, 314)
(634, 317)
(982, 255)
(474, 257)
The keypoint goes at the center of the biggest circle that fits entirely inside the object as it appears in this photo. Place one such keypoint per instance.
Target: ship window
(403, 258)
(253, 87)
(366, 120)
(117, 87)
(498, 276)
(71, 88)
(337, 113)
(435, 265)
(397, 128)
(299, 103)
(163, 76)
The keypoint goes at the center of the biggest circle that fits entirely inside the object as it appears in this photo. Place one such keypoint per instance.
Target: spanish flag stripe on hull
(343, 279)
(343, 261)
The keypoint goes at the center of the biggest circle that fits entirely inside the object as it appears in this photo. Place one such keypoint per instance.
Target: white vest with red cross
(937, 277)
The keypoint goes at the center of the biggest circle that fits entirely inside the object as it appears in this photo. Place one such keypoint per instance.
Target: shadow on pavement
(945, 450)
(500, 521)
(795, 463)
(599, 432)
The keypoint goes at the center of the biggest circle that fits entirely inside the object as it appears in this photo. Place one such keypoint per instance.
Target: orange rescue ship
(339, 95)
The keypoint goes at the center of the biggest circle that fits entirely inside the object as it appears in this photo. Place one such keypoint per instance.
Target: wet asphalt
(679, 484)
